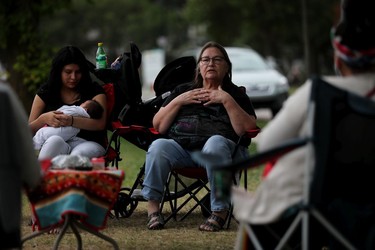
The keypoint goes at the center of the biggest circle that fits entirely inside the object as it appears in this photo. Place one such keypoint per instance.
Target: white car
(266, 87)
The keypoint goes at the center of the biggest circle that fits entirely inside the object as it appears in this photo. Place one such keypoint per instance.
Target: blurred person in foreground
(354, 61)
(208, 114)
(19, 166)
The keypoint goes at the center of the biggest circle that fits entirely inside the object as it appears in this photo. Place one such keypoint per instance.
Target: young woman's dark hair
(198, 80)
(67, 55)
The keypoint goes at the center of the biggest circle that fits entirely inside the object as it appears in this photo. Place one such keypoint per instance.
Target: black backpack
(177, 72)
(128, 106)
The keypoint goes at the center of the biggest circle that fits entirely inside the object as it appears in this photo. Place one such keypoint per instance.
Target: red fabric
(110, 156)
(89, 194)
(253, 132)
(268, 168)
(110, 93)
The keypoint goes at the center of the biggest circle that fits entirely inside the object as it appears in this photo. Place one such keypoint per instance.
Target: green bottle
(101, 57)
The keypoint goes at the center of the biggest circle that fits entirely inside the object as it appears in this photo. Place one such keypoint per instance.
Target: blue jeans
(164, 155)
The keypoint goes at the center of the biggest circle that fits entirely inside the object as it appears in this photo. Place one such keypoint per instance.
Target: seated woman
(354, 60)
(69, 83)
(208, 114)
(18, 165)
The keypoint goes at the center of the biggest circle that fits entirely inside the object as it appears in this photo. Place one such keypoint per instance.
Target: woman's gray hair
(198, 79)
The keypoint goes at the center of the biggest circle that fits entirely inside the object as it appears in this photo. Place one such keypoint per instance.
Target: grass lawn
(131, 233)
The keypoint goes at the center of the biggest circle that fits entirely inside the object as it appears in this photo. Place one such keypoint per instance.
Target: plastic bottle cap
(100, 44)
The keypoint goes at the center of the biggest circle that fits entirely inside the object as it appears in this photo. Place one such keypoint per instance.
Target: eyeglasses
(216, 60)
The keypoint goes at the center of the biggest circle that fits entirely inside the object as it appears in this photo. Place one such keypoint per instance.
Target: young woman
(69, 83)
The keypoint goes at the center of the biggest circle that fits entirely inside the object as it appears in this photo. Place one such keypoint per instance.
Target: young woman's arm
(88, 123)
(38, 119)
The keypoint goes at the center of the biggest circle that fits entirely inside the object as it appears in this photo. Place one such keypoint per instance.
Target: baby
(90, 109)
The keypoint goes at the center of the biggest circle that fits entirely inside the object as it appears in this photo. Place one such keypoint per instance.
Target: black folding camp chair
(131, 117)
(338, 206)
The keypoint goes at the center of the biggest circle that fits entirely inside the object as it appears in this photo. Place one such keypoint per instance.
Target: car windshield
(246, 60)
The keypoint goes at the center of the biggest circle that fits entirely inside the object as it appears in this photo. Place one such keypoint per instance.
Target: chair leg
(248, 230)
(167, 197)
(230, 216)
(67, 222)
(198, 203)
(78, 236)
(192, 192)
(332, 229)
(304, 218)
(98, 234)
(290, 231)
(73, 224)
(33, 235)
(177, 209)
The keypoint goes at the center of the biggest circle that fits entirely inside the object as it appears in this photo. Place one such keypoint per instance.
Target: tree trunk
(15, 80)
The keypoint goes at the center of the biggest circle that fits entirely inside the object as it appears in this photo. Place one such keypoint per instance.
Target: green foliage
(221, 19)
(22, 48)
(271, 27)
(20, 23)
(116, 23)
(34, 71)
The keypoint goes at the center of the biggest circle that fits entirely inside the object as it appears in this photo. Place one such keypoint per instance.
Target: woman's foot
(155, 221)
(214, 222)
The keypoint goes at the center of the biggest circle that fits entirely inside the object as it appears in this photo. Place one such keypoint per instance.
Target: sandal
(155, 221)
(213, 223)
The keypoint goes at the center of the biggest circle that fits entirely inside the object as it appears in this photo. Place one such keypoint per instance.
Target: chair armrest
(223, 173)
(138, 135)
(252, 132)
(247, 135)
(263, 157)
